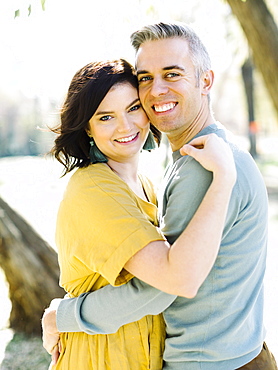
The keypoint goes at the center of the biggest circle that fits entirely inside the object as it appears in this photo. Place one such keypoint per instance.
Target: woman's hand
(214, 154)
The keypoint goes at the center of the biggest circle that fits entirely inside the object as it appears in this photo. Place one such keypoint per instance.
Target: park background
(41, 49)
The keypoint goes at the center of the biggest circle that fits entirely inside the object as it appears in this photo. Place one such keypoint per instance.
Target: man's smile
(162, 108)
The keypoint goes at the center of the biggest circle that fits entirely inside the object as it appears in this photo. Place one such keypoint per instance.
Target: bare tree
(261, 32)
(31, 269)
(247, 75)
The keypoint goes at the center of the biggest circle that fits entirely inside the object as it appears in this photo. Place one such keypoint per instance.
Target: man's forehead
(161, 54)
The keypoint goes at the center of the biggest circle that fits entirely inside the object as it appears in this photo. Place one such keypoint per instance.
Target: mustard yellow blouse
(101, 224)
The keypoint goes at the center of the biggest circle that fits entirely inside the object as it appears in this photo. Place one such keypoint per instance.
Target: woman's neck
(128, 172)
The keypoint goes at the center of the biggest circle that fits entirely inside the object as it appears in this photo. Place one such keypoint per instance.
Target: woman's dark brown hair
(86, 91)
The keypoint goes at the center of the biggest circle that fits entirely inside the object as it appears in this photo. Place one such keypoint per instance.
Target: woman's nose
(124, 124)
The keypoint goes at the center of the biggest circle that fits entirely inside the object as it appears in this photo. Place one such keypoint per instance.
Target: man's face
(167, 85)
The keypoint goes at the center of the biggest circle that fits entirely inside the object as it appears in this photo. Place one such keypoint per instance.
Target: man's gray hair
(199, 54)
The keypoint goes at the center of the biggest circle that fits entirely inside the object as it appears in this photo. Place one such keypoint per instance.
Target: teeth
(126, 139)
(164, 107)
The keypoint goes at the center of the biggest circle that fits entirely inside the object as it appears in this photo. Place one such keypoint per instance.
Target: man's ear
(207, 82)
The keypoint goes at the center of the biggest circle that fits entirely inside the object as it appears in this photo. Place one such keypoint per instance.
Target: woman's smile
(128, 139)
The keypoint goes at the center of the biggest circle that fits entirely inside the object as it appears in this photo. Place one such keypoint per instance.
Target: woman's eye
(135, 107)
(105, 118)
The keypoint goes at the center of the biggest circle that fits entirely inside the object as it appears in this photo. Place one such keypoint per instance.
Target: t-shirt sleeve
(106, 310)
(182, 197)
(100, 227)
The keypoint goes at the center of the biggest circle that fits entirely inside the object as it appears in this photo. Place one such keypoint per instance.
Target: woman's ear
(88, 132)
(207, 81)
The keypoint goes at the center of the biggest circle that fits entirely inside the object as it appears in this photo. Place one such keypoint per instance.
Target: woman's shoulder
(93, 174)
(96, 180)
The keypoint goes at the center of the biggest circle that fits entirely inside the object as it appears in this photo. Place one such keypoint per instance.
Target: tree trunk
(31, 269)
(247, 75)
(262, 35)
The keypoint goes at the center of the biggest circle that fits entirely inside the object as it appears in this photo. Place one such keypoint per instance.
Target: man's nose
(159, 87)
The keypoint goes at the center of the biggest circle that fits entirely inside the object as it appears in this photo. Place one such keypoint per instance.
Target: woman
(107, 222)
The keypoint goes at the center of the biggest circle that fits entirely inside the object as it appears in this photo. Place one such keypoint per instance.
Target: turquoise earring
(96, 156)
(150, 142)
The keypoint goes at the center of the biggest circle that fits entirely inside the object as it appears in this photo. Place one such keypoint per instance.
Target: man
(222, 326)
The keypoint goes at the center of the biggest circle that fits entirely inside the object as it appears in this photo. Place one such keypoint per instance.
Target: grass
(25, 353)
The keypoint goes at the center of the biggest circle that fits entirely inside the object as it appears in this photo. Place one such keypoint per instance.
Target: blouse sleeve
(100, 227)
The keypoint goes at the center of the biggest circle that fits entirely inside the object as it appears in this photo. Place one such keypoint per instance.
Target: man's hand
(51, 335)
(54, 356)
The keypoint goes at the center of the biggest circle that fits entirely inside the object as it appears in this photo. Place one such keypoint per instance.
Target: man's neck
(178, 139)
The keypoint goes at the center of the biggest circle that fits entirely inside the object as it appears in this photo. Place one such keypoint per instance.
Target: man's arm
(101, 312)
(106, 310)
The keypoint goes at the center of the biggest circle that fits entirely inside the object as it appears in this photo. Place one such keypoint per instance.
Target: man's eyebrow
(168, 68)
(175, 66)
(142, 72)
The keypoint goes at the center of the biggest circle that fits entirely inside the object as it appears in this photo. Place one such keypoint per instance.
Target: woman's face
(120, 125)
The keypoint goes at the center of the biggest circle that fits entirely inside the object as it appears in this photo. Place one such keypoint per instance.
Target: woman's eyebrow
(100, 113)
(132, 103)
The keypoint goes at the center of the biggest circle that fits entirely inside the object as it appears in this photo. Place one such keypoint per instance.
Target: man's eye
(135, 107)
(105, 118)
(144, 79)
(172, 74)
